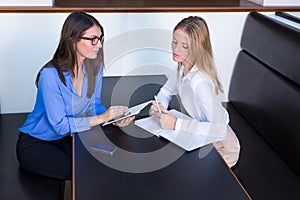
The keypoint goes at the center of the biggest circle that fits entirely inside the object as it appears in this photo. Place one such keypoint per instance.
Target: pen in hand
(155, 97)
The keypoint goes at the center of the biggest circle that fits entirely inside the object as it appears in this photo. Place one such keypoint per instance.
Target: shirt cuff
(79, 124)
(178, 125)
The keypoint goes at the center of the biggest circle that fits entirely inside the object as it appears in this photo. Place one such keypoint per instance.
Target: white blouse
(197, 94)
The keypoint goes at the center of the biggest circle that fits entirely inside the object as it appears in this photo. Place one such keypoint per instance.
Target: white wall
(136, 43)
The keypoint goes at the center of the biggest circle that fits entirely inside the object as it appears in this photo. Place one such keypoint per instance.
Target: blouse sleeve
(168, 90)
(212, 118)
(55, 106)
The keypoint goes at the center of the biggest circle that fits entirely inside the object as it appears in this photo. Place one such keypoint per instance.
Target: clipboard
(131, 112)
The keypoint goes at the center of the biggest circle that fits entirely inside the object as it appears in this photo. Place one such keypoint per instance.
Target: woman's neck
(78, 68)
(187, 67)
(78, 79)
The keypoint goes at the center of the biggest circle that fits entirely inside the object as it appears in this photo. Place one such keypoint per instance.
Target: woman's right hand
(113, 112)
(154, 111)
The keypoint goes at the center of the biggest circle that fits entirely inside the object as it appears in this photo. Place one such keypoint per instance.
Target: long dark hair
(65, 57)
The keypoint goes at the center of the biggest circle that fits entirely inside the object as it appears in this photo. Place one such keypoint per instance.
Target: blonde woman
(196, 82)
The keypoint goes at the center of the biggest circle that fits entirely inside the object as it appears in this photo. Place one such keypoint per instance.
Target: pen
(155, 97)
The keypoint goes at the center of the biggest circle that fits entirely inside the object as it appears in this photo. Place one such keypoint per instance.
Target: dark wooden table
(144, 166)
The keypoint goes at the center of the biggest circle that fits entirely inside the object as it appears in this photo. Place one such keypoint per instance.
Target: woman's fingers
(124, 122)
(116, 111)
(119, 110)
(154, 112)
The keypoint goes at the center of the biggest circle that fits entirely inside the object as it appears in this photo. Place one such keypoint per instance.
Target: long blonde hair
(200, 47)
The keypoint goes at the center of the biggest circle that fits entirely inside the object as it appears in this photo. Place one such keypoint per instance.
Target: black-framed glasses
(94, 40)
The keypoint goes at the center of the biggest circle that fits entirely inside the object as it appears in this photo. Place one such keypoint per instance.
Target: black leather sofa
(264, 108)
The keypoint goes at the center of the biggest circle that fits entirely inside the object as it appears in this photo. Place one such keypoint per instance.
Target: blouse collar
(191, 73)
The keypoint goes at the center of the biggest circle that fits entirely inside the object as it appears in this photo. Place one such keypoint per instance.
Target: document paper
(185, 140)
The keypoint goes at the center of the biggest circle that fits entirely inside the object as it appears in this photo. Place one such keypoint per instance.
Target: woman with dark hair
(196, 82)
(68, 99)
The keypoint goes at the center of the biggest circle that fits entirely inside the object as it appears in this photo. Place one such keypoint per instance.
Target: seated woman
(196, 82)
(68, 99)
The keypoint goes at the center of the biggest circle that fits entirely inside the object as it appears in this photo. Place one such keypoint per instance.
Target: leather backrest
(265, 85)
(274, 43)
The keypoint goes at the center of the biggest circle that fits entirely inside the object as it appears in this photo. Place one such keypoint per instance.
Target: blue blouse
(58, 109)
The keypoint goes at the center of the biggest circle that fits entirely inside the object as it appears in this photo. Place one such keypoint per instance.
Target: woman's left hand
(167, 120)
(124, 122)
